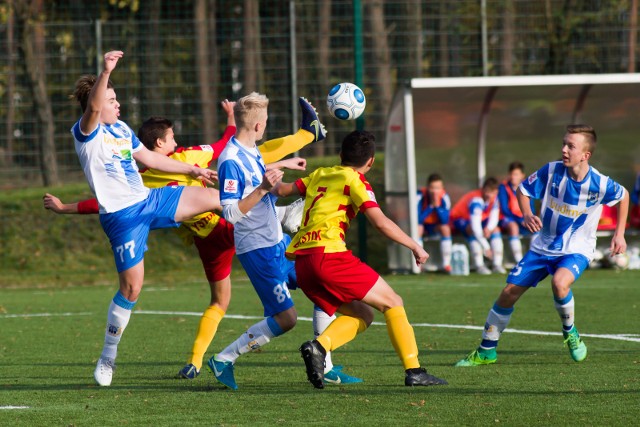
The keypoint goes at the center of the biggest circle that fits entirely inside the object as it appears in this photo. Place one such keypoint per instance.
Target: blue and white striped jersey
(240, 171)
(570, 209)
(106, 157)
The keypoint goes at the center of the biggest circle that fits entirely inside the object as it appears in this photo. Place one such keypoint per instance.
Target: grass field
(50, 338)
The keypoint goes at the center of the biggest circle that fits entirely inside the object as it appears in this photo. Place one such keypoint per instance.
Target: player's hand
(227, 106)
(294, 163)
(111, 59)
(271, 178)
(532, 223)
(52, 203)
(618, 245)
(206, 175)
(436, 198)
(420, 255)
(488, 253)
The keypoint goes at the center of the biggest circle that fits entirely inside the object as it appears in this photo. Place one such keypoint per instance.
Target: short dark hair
(83, 88)
(516, 165)
(433, 178)
(589, 134)
(490, 184)
(152, 129)
(357, 148)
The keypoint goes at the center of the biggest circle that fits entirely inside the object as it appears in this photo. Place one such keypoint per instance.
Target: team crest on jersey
(592, 197)
(206, 148)
(230, 186)
(372, 196)
(533, 177)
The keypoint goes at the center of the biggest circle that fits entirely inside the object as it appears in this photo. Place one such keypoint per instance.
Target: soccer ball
(346, 101)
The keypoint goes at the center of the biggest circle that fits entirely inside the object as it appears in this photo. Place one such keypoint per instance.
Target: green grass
(46, 363)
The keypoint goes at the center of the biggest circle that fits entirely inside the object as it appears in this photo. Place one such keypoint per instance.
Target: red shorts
(217, 250)
(330, 280)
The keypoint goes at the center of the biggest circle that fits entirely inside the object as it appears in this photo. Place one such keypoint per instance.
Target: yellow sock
(276, 149)
(206, 331)
(402, 336)
(341, 331)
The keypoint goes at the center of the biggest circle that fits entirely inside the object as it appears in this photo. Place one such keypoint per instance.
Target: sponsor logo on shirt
(372, 196)
(533, 177)
(206, 148)
(230, 186)
(566, 210)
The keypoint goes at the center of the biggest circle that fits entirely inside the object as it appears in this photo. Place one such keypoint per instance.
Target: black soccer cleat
(420, 377)
(313, 355)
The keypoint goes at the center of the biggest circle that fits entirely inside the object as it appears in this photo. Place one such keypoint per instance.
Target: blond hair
(83, 89)
(248, 109)
(589, 134)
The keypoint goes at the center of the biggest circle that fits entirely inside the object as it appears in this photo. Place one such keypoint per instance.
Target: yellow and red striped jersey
(333, 197)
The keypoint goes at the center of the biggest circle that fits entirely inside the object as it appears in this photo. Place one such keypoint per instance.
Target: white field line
(14, 407)
(617, 337)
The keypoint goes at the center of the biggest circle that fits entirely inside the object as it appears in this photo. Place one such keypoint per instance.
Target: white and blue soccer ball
(346, 101)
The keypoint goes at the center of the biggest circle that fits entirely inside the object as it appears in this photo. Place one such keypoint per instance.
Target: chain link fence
(183, 57)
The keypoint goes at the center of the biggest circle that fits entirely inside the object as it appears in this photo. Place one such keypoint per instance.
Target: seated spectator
(433, 216)
(510, 214)
(476, 216)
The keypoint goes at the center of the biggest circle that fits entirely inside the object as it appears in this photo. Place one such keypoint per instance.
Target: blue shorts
(269, 272)
(461, 226)
(128, 229)
(431, 229)
(533, 268)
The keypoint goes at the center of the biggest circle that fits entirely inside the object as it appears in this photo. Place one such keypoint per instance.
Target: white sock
(476, 253)
(497, 321)
(445, 250)
(497, 247)
(516, 248)
(254, 338)
(566, 311)
(117, 320)
(321, 321)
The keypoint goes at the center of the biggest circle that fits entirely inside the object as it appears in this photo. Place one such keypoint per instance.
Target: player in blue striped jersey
(572, 194)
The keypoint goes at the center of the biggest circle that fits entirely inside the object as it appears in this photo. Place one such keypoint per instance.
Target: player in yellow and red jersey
(211, 234)
(332, 277)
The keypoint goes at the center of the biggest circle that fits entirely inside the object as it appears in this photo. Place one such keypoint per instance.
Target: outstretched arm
(294, 163)
(98, 95)
(391, 230)
(219, 145)
(51, 202)
(153, 160)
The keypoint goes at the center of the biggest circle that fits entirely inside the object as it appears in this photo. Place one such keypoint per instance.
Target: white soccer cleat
(498, 269)
(292, 217)
(483, 270)
(104, 371)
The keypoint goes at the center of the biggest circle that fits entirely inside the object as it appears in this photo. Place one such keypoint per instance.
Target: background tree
(29, 19)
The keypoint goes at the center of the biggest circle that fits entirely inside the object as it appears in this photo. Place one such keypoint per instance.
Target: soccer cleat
(313, 355)
(104, 371)
(498, 269)
(483, 270)
(310, 121)
(292, 217)
(336, 376)
(577, 348)
(189, 372)
(476, 358)
(223, 372)
(420, 377)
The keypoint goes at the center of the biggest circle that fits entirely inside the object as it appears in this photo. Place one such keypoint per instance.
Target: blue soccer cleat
(310, 121)
(223, 372)
(336, 376)
(189, 372)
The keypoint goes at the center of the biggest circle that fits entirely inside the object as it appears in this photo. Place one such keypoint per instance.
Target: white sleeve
(232, 212)
(476, 228)
(494, 216)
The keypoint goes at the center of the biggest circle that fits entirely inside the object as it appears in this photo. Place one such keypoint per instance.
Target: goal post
(469, 128)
